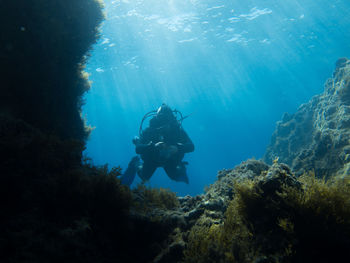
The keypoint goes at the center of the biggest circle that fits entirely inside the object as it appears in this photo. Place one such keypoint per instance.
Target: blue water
(235, 66)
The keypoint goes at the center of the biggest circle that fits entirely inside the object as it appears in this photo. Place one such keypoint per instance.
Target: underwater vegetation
(56, 206)
(283, 219)
(49, 199)
(148, 198)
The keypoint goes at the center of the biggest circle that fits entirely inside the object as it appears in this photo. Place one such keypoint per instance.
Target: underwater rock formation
(202, 210)
(258, 213)
(56, 207)
(317, 137)
(43, 49)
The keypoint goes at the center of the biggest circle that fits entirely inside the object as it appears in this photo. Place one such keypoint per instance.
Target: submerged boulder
(317, 137)
(277, 177)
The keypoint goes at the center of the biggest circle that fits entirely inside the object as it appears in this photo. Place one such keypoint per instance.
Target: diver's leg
(176, 171)
(146, 170)
(129, 174)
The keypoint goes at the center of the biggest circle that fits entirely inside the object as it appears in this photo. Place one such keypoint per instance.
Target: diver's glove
(136, 140)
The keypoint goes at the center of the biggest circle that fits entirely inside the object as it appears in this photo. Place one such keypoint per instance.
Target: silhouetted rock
(43, 48)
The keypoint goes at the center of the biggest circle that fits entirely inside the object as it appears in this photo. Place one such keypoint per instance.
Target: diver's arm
(142, 144)
(143, 148)
(185, 145)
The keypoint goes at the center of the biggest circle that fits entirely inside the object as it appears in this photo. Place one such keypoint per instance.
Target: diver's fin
(183, 178)
(181, 173)
(130, 172)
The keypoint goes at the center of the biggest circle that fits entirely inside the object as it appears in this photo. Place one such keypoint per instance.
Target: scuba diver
(162, 144)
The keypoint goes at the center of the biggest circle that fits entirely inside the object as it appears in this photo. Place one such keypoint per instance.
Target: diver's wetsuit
(171, 134)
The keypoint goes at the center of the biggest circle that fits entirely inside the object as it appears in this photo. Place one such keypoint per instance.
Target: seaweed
(203, 244)
(320, 218)
(149, 198)
(227, 242)
(307, 224)
(54, 207)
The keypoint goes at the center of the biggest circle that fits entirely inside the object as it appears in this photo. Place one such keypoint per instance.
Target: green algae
(150, 198)
(307, 224)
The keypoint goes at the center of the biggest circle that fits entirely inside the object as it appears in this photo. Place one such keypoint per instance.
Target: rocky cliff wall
(43, 49)
(317, 137)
